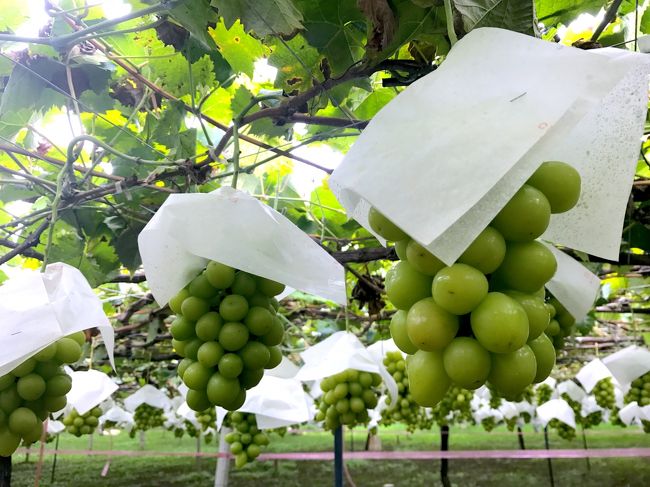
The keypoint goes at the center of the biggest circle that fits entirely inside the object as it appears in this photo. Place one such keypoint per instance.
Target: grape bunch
(646, 425)
(484, 318)
(190, 429)
(592, 419)
(511, 423)
(454, 408)
(604, 393)
(147, 417)
(207, 419)
(543, 393)
(405, 410)
(564, 431)
(34, 389)
(639, 391)
(82, 424)
(228, 332)
(615, 419)
(561, 324)
(347, 396)
(246, 440)
(488, 423)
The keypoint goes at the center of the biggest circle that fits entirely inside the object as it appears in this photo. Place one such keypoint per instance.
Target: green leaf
(264, 17)
(374, 102)
(337, 29)
(238, 48)
(126, 246)
(326, 207)
(295, 61)
(518, 16)
(185, 144)
(413, 21)
(553, 12)
(173, 72)
(195, 15)
(3, 277)
(645, 22)
(13, 14)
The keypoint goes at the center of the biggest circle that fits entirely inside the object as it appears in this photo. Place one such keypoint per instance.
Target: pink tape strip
(385, 455)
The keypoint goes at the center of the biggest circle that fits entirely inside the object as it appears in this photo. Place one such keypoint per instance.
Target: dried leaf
(383, 23)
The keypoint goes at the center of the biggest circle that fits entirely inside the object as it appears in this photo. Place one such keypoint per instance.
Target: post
(584, 444)
(56, 450)
(142, 443)
(5, 471)
(520, 437)
(444, 463)
(351, 440)
(548, 460)
(223, 462)
(338, 457)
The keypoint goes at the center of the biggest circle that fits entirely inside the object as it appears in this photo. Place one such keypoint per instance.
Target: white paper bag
(277, 402)
(556, 409)
(628, 364)
(36, 309)
(119, 416)
(233, 228)
(631, 414)
(148, 394)
(495, 88)
(54, 427)
(573, 390)
(286, 370)
(592, 373)
(508, 409)
(341, 351)
(89, 389)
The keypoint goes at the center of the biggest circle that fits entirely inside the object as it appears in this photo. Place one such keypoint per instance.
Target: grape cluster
(564, 431)
(454, 408)
(190, 429)
(511, 423)
(405, 410)
(484, 317)
(639, 391)
(562, 324)
(147, 417)
(592, 419)
(246, 440)
(646, 425)
(488, 423)
(543, 393)
(82, 424)
(207, 419)
(615, 419)
(604, 392)
(34, 389)
(347, 396)
(228, 332)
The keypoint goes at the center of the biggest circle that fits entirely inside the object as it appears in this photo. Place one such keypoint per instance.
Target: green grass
(81, 470)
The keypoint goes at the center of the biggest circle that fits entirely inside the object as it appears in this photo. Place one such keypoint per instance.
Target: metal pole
(56, 449)
(548, 460)
(444, 464)
(223, 463)
(338, 457)
(584, 443)
(5, 471)
(520, 437)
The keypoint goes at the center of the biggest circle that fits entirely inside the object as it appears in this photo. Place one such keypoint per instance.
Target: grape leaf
(126, 246)
(13, 14)
(294, 60)
(645, 22)
(195, 15)
(516, 16)
(413, 22)
(553, 12)
(336, 28)
(374, 102)
(240, 49)
(264, 17)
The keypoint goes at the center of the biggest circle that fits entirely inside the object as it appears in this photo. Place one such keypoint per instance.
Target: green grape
(466, 362)
(544, 352)
(500, 323)
(536, 311)
(514, 371)
(563, 430)
(428, 380)
(422, 260)
(525, 217)
(459, 288)
(430, 327)
(405, 285)
(526, 267)
(486, 252)
(559, 182)
(384, 227)
(543, 393)
(399, 332)
(454, 408)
